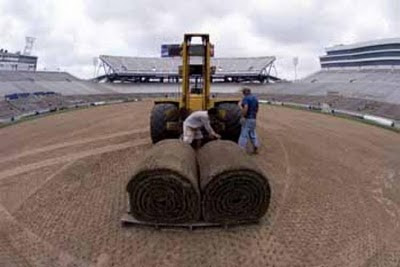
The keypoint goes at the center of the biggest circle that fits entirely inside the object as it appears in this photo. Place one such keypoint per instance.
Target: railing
(382, 121)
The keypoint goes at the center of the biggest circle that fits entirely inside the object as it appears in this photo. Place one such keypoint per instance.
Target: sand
(335, 195)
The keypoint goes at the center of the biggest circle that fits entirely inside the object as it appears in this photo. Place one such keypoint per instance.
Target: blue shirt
(252, 102)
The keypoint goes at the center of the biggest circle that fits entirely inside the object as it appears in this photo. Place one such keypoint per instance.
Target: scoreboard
(170, 50)
(174, 50)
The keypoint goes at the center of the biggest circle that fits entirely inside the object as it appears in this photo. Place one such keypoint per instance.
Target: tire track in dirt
(288, 169)
(73, 157)
(52, 256)
(69, 150)
(23, 198)
(71, 143)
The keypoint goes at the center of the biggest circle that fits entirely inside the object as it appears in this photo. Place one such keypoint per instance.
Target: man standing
(193, 124)
(249, 106)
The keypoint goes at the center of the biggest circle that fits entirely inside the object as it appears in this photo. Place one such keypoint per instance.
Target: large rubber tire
(160, 115)
(231, 121)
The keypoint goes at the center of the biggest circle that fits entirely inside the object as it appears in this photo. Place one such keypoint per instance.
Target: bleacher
(373, 84)
(146, 68)
(29, 104)
(37, 101)
(361, 86)
(7, 111)
(12, 82)
(32, 76)
(241, 66)
(138, 65)
(366, 106)
(355, 76)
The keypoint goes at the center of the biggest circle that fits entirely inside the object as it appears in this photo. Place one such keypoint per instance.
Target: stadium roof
(154, 65)
(364, 44)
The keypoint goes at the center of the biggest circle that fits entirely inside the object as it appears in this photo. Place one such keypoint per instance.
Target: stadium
(361, 78)
(335, 188)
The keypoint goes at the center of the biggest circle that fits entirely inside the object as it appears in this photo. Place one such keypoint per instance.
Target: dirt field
(335, 195)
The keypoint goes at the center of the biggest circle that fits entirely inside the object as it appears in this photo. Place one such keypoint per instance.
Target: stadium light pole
(295, 63)
(28, 45)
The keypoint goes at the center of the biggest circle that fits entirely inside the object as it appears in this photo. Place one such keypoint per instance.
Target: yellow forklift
(167, 115)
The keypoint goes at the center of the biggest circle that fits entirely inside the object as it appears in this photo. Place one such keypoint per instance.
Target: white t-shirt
(199, 119)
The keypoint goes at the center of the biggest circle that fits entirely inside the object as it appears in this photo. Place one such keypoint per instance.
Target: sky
(71, 33)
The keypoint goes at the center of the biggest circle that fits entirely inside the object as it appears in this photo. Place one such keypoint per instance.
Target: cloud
(71, 32)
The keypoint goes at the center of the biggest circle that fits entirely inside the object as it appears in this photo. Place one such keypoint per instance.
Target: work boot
(255, 151)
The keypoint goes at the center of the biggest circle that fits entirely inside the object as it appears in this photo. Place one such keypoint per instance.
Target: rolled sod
(164, 188)
(233, 189)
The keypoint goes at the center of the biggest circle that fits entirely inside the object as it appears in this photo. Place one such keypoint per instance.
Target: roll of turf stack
(164, 188)
(233, 189)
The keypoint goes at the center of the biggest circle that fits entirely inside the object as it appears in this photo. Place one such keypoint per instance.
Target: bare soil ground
(335, 195)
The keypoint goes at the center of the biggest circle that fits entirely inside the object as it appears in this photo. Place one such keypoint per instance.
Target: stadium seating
(374, 84)
(7, 111)
(44, 90)
(9, 76)
(12, 82)
(352, 76)
(341, 103)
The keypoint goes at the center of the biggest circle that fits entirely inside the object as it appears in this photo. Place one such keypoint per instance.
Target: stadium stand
(378, 85)
(355, 76)
(148, 69)
(372, 107)
(7, 111)
(8, 76)
(12, 82)
(34, 104)
(358, 77)
(368, 89)
(60, 82)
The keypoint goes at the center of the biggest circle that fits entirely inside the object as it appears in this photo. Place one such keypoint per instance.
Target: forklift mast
(191, 99)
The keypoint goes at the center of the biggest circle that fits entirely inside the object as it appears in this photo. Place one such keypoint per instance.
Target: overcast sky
(70, 33)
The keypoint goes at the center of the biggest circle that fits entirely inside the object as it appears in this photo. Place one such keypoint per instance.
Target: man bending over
(193, 124)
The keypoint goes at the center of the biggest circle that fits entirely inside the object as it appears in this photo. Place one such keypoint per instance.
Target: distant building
(384, 53)
(17, 62)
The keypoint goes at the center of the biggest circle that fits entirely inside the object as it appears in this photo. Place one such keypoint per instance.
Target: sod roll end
(164, 188)
(233, 189)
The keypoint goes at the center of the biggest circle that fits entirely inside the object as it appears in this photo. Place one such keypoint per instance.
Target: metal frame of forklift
(128, 220)
(194, 101)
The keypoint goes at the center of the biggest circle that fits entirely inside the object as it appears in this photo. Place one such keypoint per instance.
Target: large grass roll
(234, 190)
(164, 188)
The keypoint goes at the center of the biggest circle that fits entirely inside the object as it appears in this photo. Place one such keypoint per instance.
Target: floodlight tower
(295, 63)
(28, 45)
